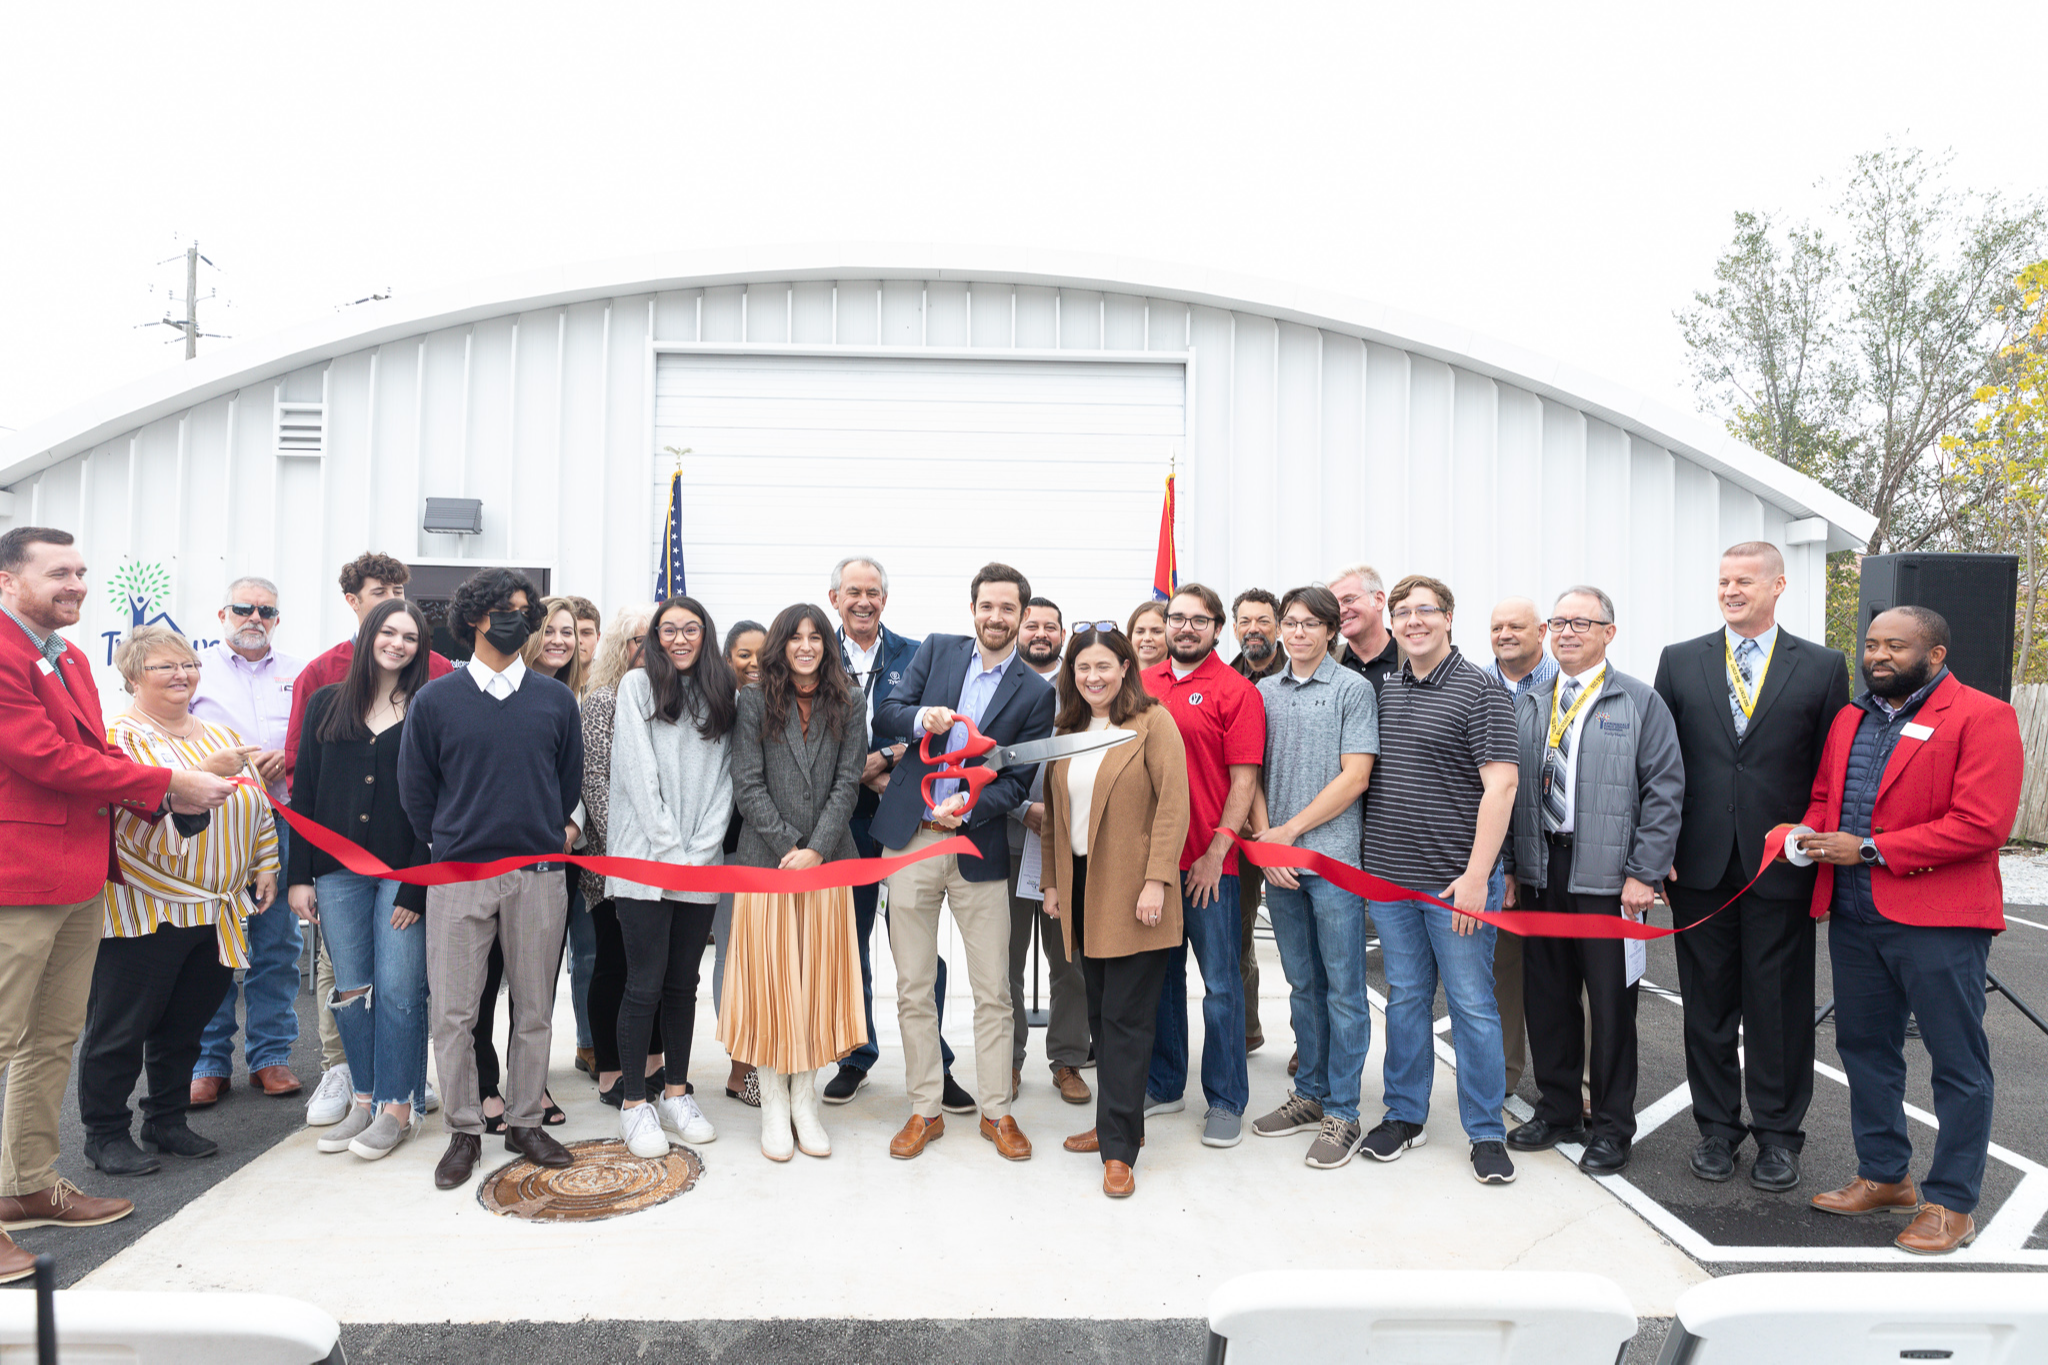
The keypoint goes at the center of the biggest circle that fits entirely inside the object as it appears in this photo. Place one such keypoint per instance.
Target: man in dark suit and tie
(1753, 704)
(981, 678)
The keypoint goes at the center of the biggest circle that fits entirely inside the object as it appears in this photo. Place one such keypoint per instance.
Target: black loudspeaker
(1978, 595)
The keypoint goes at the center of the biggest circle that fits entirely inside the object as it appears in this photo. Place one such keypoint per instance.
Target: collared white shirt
(865, 665)
(499, 685)
(1571, 768)
(1765, 643)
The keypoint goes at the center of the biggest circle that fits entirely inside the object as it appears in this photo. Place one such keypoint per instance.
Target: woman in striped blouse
(174, 932)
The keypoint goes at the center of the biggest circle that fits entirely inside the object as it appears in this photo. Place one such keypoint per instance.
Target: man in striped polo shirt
(1438, 810)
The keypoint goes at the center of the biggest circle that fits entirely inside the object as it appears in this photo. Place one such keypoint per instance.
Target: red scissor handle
(951, 766)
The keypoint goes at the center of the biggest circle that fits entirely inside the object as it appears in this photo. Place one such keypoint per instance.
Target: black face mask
(508, 631)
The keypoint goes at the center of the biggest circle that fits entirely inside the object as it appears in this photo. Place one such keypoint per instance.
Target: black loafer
(176, 1139)
(118, 1155)
(1604, 1156)
(845, 1084)
(1714, 1159)
(538, 1146)
(1538, 1134)
(1776, 1169)
(452, 1171)
(954, 1099)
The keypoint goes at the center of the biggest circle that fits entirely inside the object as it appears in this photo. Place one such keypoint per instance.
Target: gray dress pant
(526, 913)
(1066, 1033)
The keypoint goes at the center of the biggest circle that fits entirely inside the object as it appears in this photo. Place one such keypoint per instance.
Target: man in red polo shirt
(1223, 725)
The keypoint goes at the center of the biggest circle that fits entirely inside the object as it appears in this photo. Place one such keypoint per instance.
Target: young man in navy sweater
(491, 766)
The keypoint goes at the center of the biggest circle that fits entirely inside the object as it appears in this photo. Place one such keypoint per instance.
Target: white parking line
(2031, 924)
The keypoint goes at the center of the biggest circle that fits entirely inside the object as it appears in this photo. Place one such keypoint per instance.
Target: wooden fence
(2031, 701)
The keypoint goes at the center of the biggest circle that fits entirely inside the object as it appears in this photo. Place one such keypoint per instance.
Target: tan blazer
(1137, 825)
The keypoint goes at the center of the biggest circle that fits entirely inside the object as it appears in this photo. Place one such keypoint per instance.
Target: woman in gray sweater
(671, 796)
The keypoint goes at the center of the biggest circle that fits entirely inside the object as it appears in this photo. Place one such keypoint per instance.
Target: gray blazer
(795, 792)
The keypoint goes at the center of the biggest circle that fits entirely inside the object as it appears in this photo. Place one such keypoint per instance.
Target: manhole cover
(606, 1181)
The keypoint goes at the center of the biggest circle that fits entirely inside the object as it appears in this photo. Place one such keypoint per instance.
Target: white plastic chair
(1892, 1318)
(1419, 1317)
(174, 1329)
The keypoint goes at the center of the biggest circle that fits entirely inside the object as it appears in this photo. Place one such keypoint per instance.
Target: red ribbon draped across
(1527, 923)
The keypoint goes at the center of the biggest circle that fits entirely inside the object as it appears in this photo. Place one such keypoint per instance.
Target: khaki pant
(46, 960)
(982, 912)
(331, 1055)
(526, 912)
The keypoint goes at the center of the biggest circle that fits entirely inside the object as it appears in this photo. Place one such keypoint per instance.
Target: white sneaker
(641, 1128)
(332, 1098)
(681, 1116)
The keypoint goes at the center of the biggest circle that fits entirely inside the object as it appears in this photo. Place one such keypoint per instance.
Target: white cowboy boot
(803, 1108)
(776, 1143)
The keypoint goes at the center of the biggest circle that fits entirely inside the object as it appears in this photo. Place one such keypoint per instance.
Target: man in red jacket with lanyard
(1918, 787)
(58, 780)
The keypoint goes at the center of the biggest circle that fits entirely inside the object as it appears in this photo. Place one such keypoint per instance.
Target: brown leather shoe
(1087, 1142)
(538, 1146)
(207, 1090)
(63, 1205)
(1117, 1180)
(1862, 1196)
(1937, 1232)
(275, 1080)
(458, 1161)
(15, 1264)
(911, 1139)
(1293, 1063)
(1011, 1144)
(1072, 1088)
(586, 1061)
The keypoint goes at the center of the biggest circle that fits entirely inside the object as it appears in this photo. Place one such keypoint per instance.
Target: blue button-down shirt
(252, 699)
(1539, 676)
(977, 690)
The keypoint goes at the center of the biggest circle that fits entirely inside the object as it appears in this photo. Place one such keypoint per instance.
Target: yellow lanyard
(1558, 725)
(1745, 698)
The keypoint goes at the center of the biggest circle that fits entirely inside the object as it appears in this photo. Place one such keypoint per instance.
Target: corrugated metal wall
(1306, 448)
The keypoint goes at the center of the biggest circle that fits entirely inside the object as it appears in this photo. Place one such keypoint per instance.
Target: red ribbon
(1527, 923)
(643, 871)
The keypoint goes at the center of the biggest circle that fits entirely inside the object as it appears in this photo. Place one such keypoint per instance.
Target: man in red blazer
(59, 779)
(1918, 787)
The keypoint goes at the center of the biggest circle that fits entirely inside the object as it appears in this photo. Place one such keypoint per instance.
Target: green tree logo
(144, 585)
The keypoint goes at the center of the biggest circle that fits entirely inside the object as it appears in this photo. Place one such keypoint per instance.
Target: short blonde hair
(614, 657)
(143, 644)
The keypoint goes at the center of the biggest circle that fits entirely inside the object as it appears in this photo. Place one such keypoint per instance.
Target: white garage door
(934, 466)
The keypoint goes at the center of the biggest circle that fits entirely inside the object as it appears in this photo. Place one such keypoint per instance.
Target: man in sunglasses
(246, 685)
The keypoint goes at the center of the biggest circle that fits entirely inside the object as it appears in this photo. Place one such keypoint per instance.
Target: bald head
(1517, 628)
(1751, 582)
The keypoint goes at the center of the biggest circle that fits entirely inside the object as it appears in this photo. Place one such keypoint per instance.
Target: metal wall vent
(301, 428)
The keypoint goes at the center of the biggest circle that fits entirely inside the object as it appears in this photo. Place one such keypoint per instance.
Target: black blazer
(1736, 790)
(1021, 710)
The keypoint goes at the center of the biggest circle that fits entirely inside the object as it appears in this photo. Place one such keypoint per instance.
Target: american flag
(668, 578)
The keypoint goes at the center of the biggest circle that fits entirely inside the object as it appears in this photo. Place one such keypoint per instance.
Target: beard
(1189, 654)
(1903, 682)
(1256, 648)
(249, 637)
(995, 635)
(1039, 652)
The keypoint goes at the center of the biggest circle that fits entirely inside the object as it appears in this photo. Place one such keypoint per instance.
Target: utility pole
(189, 324)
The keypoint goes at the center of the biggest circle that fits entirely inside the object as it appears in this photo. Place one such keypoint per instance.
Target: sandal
(494, 1123)
(551, 1115)
(749, 1092)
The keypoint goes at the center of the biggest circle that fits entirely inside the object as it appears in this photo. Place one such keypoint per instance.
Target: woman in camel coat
(1115, 823)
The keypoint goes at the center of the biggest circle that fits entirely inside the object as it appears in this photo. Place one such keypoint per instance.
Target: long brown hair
(348, 717)
(836, 693)
(1130, 699)
(706, 693)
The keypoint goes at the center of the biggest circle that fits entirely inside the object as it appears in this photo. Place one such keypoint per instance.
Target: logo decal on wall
(144, 591)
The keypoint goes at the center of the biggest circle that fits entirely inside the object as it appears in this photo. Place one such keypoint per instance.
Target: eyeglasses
(171, 670)
(635, 641)
(246, 610)
(670, 634)
(1198, 622)
(1419, 612)
(1296, 626)
(1099, 627)
(1575, 625)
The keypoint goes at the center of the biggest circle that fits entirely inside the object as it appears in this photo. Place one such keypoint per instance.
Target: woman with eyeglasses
(1146, 630)
(174, 931)
(744, 641)
(1115, 822)
(671, 799)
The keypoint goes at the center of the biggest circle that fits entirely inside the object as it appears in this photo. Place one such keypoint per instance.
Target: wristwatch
(1868, 852)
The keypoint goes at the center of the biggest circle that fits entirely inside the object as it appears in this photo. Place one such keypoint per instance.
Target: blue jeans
(1882, 973)
(582, 958)
(270, 985)
(1320, 930)
(865, 901)
(383, 1032)
(1420, 946)
(1216, 933)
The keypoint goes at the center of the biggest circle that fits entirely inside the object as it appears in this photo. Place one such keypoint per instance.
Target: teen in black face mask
(508, 631)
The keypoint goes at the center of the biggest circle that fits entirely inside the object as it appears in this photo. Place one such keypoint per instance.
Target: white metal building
(933, 408)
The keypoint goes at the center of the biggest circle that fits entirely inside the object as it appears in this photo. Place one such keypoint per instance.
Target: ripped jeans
(384, 1031)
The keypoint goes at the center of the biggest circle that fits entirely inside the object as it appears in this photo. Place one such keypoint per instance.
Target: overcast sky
(1562, 184)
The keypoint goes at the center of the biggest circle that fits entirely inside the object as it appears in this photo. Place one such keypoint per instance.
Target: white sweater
(671, 792)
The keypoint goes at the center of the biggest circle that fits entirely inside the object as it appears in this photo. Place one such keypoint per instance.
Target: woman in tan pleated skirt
(792, 1001)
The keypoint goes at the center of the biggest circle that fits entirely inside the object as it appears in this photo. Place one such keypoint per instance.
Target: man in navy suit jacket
(982, 678)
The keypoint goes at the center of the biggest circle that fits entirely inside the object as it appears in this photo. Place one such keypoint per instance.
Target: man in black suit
(983, 679)
(1753, 704)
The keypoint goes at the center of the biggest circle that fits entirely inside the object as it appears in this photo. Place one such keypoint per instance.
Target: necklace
(190, 731)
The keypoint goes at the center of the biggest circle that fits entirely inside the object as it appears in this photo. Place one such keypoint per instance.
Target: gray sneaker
(1154, 1106)
(1222, 1128)
(338, 1137)
(380, 1138)
(1296, 1114)
(1391, 1138)
(1334, 1144)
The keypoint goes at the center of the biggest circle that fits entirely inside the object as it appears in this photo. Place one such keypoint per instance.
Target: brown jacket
(1137, 822)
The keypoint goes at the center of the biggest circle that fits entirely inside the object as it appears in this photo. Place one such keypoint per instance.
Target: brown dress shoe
(1086, 1142)
(63, 1205)
(458, 1161)
(1862, 1196)
(1293, 1063)
(1011, 1144)
(911, 1139)
(15, 1264)
(1117, 1180)
(586, 1061)
(276, 1080)
(538, 1146)
(1072, 1088)
(207, 1090)
(1937, 1232)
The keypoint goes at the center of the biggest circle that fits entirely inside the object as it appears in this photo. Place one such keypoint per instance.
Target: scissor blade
(1059, 746)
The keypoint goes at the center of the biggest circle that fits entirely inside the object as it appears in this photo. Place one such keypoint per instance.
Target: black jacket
(1735, 791)
(351, 787)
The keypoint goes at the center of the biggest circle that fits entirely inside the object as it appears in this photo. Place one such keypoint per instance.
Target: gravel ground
(2026, 877)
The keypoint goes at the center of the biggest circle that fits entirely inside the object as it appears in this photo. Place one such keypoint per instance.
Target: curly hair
(618, 651)
(372, 564)
(489, 590)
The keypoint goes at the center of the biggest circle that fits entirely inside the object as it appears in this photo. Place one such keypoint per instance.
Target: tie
(1554, 760)
(1745, 664)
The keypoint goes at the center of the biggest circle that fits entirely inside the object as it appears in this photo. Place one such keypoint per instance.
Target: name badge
(1915, 730)
(45, 667)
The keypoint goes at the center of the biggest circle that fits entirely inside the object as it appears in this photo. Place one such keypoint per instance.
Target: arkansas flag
(1166, 569)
